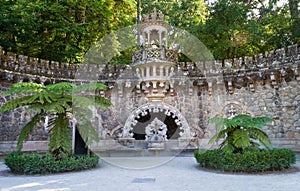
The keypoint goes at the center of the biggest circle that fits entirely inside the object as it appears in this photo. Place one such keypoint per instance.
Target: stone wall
(13, 121)
(282, 104)
(261, 85)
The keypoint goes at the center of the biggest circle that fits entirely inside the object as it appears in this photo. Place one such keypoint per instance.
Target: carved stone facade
(173, 100)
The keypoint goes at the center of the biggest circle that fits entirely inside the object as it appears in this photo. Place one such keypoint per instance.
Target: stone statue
(156, 131)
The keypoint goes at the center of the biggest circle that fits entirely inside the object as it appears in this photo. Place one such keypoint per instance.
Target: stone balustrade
(154, 54)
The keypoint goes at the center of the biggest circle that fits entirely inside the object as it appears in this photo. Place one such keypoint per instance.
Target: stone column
(161, 71)
(149, 41)
(154, 71)
(147, 71)
(160, 41)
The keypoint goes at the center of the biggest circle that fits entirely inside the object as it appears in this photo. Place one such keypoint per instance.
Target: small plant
(241, 132)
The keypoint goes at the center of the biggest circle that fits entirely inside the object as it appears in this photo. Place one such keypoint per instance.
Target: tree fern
(58, 100)
(238, 131)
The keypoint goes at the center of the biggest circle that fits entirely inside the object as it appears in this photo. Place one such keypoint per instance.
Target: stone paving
(150, 173)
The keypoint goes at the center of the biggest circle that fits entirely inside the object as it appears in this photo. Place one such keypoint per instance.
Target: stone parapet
(285, 58)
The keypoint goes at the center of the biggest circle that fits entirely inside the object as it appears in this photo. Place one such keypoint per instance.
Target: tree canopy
(63, 30)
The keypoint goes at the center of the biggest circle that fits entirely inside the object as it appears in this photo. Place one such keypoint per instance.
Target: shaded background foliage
(63, 30)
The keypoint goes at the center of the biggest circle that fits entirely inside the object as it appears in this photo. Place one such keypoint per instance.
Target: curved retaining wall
(266, 84)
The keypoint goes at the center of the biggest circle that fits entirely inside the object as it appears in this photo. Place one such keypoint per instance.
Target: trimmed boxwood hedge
(248, 161)
(36, 164)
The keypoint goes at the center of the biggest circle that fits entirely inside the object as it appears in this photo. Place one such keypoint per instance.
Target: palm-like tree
(240, 132)
(62, 101)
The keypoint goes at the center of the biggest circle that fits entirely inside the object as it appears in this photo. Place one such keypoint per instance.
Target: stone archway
(170, 116)
(169, 121)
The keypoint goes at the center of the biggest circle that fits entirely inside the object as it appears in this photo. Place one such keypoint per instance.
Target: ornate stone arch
(233, 108)
(168, 110)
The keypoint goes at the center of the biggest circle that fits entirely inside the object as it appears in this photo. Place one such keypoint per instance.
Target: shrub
(248, 161)
(36, 164)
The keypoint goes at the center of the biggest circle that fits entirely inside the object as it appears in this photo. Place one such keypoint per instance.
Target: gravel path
(179, 173)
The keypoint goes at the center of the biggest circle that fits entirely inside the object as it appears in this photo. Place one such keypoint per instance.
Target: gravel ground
(153, 174)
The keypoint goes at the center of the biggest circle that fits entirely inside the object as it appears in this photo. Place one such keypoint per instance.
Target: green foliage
(240, 132)
(234, 28)
(36, 164)
(26, 130)
(64, 30)
(60, 30)
(58, 100)
(184, 14)
(60, 136)
(250, 161)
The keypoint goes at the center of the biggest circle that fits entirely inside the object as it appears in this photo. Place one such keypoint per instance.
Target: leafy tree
(225, 31)
(61, 100)
(240, 132)
(59, 30)
(184, 14)
(237, 28)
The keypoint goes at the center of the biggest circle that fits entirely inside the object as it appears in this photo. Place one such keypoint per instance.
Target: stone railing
(154, 54)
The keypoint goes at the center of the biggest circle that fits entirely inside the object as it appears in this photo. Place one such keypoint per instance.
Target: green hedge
(36, 164)
(249, 161)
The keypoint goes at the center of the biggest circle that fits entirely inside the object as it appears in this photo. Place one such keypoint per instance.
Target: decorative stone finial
(154, 16)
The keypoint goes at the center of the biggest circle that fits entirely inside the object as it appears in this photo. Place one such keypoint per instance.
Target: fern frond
(88, 132)
(89, 87)
(241, 139)
(85, 127)
(261, 136)
(217, 121)
(23, 88)
(61, 87)
(229, 123)
(102, 103)
(58, 107)
(218, 136)
(241, 117)
(83, 101)
(260, 122)
(41, 97)
(60, 138)
(16, 103)
(26, 130)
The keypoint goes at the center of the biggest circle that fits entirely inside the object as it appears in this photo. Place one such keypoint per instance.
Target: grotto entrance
(145, 119)
(156, 126)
